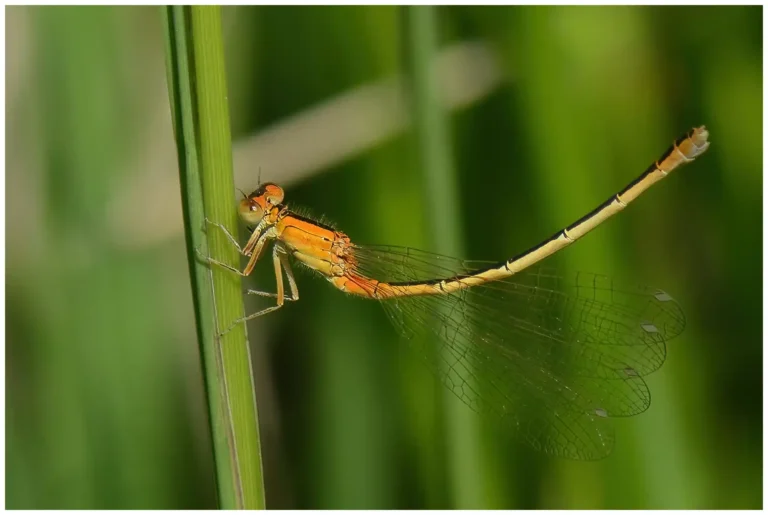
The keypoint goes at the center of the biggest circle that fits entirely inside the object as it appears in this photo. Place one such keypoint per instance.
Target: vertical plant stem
(440, 181)
(443, 215)
(197, 86)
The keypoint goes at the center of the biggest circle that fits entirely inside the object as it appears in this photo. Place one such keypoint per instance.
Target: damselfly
(552, 357)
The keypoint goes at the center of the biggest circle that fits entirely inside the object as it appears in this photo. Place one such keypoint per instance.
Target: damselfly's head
(253, 207)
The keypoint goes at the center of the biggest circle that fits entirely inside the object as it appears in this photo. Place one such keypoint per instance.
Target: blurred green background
(549, 112)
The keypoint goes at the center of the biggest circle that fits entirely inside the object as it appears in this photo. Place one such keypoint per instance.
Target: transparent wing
(552, 357)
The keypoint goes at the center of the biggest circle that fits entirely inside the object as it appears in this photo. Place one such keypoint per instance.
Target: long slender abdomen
(684, 150)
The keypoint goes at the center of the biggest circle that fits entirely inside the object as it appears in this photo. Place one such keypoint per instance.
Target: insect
(552, 357)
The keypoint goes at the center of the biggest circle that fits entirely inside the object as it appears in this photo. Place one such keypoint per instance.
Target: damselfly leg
(253, 251)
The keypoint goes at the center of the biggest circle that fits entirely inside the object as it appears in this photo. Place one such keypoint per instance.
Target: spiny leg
(231, 238)
(253, 240)
(254, 257)
(278, 257)
(288, 272)
(252, 248)
(280, 252)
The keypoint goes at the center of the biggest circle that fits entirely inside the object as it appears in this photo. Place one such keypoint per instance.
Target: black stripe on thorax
(310, 221)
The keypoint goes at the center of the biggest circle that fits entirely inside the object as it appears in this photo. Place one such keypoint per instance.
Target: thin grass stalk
(197, 88)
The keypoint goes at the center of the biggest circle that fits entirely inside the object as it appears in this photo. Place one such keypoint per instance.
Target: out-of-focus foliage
(104, 403)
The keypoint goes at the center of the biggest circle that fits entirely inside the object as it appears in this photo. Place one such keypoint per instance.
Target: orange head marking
(253, 207)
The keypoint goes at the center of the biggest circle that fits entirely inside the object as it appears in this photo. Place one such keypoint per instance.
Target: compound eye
(250, 211)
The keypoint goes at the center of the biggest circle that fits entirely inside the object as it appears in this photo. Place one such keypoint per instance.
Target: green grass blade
(197, 88)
